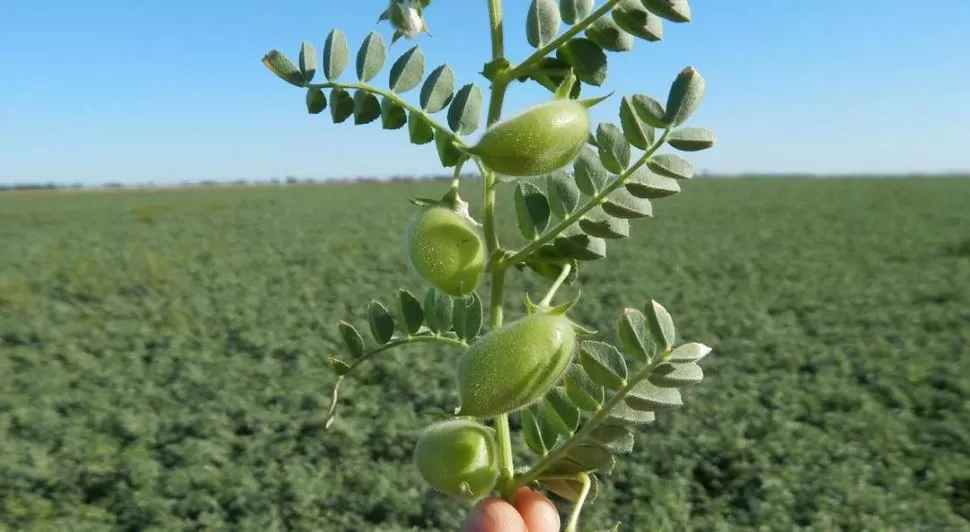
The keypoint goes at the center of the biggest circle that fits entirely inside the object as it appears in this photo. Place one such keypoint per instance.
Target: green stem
(437, 126)
(523, 67)
(588, 427)
(555, 286)
(503, 434)
(573, 523)
(599, 198)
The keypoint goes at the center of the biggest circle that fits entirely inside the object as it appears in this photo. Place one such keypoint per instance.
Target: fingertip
(494, 515)
(538, 511)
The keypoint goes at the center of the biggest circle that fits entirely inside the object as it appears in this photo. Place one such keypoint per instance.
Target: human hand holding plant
(577, 398)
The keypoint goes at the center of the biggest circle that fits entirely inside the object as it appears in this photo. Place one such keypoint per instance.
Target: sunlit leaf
(407, 71)
(634, 335)
(572, 11)
(637, 132)
(660, 325)
(308, 61)
(675, 375)
(284, 69)
(671, 165)
(590, 174)
(685, 95)
(647, 396)
(691, 139)
(465, 110)
(370, 57)
(335, 54)
(562, 192)
(597, 223)
(581, 389)
(614, 150)
(606, 33)
(691, 352)
(672, 10)
(438, 89)
(643, 183)
(622, 204)
(542, 22)
(603, 363)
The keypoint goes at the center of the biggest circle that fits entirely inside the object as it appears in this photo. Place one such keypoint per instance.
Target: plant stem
(496, 26)
(589, 426)
(600, 197)
(573, 523)
(555, 286)
(503, 434)
(523, 67)
(437, 126)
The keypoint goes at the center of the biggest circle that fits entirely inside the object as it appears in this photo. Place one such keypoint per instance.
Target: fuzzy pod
(445, 249)
(458, 457)
(539, 140)
(514, 365)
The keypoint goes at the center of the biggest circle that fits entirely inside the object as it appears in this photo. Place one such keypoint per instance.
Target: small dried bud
(405, 17)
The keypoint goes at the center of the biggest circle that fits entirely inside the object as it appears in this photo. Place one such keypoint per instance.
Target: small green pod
(458, 457)
(539, 140)
(444, 249)
(513, 366)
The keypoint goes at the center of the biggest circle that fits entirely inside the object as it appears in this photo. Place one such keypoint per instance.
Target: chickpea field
(162, 358)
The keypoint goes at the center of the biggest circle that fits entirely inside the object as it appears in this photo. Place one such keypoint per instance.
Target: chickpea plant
(578, 397)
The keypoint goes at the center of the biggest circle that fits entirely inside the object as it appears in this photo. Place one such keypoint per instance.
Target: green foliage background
(161, 359)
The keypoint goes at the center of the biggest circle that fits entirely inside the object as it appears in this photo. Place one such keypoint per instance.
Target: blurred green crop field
(162, 359)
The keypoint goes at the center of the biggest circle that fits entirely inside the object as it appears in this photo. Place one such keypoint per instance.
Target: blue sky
(173, 90)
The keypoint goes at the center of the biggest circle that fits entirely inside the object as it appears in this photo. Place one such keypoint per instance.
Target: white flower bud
(406, 18)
